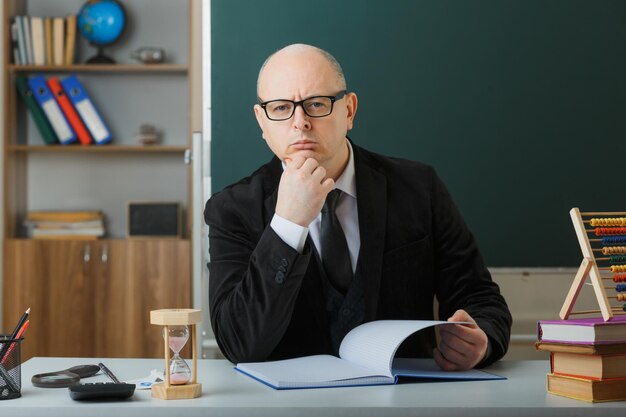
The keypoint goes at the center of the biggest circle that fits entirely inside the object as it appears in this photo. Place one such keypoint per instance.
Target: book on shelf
(52, 110)
(593, 330)
(64, 216)
(65, 224)
(589, 366)
(21, 40)
(87, 233)
(27, 40)
(15, 44)
(41, 121)
(37, 36)
(58, 40)
(366, 357)
(68, 110)
(52, 225)
(48, 29)
(587, 389)
(70, 39)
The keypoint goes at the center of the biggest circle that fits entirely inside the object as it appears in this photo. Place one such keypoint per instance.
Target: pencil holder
(10, 368)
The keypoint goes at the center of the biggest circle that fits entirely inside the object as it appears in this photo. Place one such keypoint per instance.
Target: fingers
(462, 346)
(302, 190)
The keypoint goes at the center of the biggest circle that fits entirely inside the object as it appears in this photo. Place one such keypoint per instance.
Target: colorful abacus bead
(609, 221)
(604, 231)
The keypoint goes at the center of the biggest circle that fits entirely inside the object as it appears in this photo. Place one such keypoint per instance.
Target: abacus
(608, 241)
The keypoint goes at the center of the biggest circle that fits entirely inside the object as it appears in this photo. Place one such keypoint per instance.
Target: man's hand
(302, 190)
(462, 346)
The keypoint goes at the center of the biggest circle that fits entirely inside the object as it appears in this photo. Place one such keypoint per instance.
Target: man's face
(297, 75)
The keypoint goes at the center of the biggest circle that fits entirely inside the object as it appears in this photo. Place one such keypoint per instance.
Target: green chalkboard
(519, 105)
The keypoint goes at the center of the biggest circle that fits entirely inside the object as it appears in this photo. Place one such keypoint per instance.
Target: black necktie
(335, 254)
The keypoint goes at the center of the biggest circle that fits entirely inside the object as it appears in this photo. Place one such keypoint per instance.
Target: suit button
(345, 311)
(280, 277)
(284, 262)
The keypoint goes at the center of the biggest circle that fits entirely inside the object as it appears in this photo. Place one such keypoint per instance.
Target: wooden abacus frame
(588, 268)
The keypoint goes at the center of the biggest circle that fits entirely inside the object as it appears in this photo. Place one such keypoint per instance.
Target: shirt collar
(346, 181)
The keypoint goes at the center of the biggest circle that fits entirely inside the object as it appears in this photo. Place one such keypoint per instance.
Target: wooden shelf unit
(111, 284)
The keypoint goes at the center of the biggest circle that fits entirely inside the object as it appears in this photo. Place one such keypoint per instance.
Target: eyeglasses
(318, 106)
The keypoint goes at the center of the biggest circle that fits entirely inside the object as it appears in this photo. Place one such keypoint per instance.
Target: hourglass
(179, 370)
(180, 381)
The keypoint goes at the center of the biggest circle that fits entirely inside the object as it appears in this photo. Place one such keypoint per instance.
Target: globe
(102, 23)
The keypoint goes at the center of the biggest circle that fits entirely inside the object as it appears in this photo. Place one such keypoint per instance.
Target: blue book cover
(86, 109)
(52, 110)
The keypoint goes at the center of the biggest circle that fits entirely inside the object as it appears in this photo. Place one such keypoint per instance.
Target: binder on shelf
(86, 109)
(27, 39)
(58, 34)
(36, 28)
(48, 27)
(70, 39)
(52, 110)
(68, 109)
(47, 133)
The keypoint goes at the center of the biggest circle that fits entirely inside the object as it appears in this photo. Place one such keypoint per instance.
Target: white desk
(226, 392)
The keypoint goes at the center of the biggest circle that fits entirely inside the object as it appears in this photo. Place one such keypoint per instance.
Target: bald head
(301, 52)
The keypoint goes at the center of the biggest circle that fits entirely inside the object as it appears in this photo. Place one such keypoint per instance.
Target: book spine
(21, 41)
(37, 40)
(15, 43)
(49, 41)
(27, 40)
(58, 34)
(70, 39)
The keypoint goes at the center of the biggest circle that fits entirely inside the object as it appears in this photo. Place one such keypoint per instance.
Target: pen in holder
(10, 368)
(179, 326)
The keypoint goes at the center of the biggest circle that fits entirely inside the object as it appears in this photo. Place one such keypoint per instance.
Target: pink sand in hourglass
(177, 343)
(178, 379)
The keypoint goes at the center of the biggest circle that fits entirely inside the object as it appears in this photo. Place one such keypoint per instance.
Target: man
(284, 283)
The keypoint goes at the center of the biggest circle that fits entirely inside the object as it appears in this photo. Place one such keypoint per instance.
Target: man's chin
(304, 153)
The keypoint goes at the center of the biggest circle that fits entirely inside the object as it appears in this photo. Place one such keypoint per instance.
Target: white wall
(537, 296)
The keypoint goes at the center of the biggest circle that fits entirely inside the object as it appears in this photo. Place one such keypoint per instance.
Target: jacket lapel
(371, 189)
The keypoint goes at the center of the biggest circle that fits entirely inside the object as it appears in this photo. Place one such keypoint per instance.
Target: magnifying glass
(64, 378)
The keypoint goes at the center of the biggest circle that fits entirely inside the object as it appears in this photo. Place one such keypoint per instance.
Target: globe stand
(177, 317)
(99, 57)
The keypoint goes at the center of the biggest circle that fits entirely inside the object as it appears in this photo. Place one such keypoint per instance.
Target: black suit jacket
(266, 300)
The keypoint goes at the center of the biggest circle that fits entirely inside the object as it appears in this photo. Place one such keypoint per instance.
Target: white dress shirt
(295, 235)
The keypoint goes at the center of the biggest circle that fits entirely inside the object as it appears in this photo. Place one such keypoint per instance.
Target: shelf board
(111, 68)
(97, 149)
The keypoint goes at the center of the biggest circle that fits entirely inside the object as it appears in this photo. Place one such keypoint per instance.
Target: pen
(20, 323)
(4, 375)
(109, 373)
(20, 333)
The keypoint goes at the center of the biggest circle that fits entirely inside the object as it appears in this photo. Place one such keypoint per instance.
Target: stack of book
(37, 40)
(65, 224)
(587, 357)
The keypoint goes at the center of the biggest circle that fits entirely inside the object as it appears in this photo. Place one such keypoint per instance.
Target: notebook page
(373, 345)
(306, 371)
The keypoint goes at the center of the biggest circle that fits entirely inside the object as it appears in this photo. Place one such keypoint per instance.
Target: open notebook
(366, 358)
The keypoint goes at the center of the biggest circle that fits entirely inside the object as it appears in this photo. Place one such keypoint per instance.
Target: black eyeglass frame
(334, 98)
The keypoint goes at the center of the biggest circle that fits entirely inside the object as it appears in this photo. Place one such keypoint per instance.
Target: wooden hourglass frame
(177, 317)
